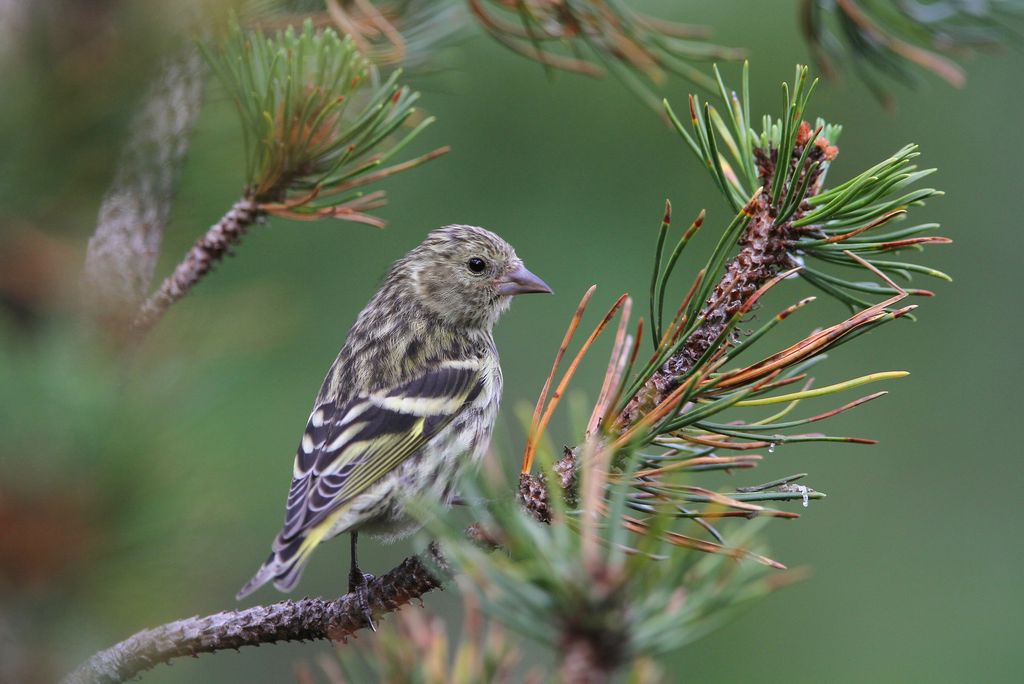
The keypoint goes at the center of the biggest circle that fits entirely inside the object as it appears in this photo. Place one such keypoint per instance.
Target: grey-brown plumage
(411, 398)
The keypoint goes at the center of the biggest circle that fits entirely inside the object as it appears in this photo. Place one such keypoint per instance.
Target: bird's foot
(359, 584)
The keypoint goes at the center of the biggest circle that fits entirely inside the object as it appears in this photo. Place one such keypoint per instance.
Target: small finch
(410, 400)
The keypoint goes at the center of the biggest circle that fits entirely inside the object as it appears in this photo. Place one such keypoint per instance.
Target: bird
(410, 400)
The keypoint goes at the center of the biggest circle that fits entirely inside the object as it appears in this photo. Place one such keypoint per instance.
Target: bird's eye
(476, 265)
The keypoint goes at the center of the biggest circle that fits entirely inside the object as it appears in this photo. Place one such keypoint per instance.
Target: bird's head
(468, 275)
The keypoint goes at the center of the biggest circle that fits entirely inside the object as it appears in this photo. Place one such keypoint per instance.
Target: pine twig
(200, 260)
(310, 152)
(533, 489)
(302, 620)
(763, 253)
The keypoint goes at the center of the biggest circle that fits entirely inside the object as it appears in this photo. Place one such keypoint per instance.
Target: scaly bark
(764, 252)
(302, 620)
(200, 260)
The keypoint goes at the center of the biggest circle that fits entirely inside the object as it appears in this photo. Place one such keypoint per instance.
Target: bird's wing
(346, 449)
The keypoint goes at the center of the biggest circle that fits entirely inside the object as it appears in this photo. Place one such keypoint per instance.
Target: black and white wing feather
(347, 448)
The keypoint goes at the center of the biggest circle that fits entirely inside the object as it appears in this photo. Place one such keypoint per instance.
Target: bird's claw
(359, 584)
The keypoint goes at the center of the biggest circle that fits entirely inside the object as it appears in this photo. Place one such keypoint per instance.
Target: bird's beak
(521, 281)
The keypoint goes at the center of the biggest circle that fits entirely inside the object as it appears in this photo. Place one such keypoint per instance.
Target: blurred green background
(142, 486)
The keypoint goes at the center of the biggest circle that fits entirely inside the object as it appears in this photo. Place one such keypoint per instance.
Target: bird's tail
(284, 565)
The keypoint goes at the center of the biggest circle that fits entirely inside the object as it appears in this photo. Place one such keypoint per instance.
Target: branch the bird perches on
(302, 620)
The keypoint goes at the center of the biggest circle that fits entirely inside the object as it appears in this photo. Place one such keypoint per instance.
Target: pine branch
(303, 620)
(319, 126)
(407, 34)
(894, 41)
(200, 260)
(763, 253)
(583, 662)
(789, 219)
(534, 488)
(650, 432)
(591, 37)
